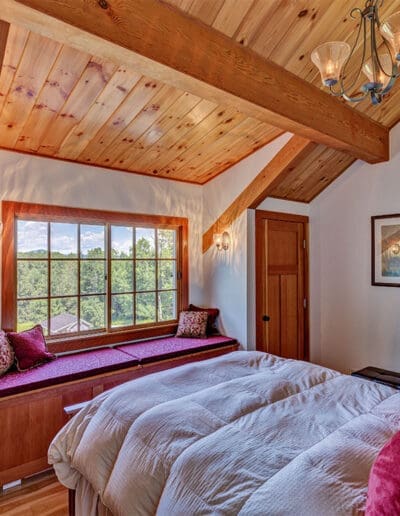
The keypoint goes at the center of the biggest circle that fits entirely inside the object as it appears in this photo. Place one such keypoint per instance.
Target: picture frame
(385, 250)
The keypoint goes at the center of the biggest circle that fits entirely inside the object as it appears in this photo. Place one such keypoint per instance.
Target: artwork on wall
(386, 250)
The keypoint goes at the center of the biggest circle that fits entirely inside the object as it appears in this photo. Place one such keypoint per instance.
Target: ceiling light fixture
(380, 65)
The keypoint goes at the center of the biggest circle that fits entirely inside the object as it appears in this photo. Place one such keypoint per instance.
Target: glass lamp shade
(390, 30)
(222, 240)
(378, 79)
(226, 240)
(330, 58)
(217, 239)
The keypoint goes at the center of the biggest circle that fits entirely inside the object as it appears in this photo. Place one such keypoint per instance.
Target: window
(96, 277)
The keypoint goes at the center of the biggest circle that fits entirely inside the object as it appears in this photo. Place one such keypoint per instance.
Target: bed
(246, 433)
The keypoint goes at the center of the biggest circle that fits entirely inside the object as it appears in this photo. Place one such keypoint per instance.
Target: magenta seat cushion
(170, 347)
(66, 368)
(30, 348)
(384, 481)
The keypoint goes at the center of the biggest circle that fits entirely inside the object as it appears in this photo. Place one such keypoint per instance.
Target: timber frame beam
(280, 166)
(165, 44)
(4, 28)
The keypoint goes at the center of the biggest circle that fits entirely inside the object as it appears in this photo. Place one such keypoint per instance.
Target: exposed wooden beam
(4, 28)
(165, 44)
(277, 169)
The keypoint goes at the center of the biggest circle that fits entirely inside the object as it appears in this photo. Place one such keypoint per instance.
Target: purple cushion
(30, 348)
(169, 347)
(65, 368)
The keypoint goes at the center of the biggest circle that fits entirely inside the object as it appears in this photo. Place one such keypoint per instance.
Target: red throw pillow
(213, 313)
(192, 324)
(384, 481)
(30, 348)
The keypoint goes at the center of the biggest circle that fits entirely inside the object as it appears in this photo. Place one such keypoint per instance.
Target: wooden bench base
(29, 421)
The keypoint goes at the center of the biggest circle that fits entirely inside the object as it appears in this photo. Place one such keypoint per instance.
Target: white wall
(229, 276)
(40, 180)
(354, 324)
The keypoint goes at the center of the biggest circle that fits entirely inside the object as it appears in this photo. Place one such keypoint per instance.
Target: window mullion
(156, 267)
(48, 279)
(134, 274)
(108, 257)
(79, 279)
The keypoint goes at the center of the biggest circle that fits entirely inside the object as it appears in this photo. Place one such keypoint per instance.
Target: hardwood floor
(39, 496)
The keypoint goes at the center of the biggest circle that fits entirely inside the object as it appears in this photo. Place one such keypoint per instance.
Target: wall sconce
(222, 240)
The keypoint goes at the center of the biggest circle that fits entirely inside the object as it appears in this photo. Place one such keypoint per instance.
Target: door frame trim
(259, 267)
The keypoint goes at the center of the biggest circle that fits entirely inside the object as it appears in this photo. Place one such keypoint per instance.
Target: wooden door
(281, 284)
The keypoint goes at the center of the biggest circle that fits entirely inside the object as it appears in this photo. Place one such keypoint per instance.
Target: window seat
(68, 368)
(32, 403)
(65, 369)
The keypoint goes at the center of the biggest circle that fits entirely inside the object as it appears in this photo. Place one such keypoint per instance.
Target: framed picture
(386, 250)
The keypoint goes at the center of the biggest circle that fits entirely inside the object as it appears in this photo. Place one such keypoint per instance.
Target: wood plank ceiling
(59, 102)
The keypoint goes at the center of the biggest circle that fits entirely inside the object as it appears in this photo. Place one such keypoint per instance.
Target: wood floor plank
(40, 496)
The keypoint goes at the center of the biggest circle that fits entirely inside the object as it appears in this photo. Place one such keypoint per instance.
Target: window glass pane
(166, 306)
(166, 243)
(93, 277)
(145, 275)
(31, 239)
(30, 313)
(63, 240)
(121, 242)
(63, 315)
(93, 311)
(145, 243)
(145, 308)
(122, 310)
(166, 274)
(64, 278)
(92, 241)
(32, 279)
(121, 276)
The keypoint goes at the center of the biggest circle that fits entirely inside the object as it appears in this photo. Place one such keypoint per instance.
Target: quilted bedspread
(246, 433)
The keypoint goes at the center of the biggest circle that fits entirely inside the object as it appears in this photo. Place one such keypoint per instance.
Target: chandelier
(380, 65)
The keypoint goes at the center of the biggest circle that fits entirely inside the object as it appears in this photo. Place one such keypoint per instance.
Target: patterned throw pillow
(193, 325)
(30, 348)
(213, 313)
(6, 354)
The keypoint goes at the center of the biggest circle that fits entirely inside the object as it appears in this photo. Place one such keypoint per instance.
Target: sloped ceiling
(60, 102)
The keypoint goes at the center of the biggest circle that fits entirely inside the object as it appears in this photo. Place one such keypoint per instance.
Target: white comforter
(246, 433)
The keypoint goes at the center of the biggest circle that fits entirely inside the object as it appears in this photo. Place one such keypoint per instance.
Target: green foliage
(33, 282)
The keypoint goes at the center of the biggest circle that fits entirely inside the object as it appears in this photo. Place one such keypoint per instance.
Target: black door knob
(266, 318)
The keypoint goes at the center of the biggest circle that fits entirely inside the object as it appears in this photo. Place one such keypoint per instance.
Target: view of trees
(142, 285)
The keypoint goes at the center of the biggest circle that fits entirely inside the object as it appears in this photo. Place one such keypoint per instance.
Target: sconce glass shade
(330, 58)
(217, 239)
(222, 241)
(375, 75)
(226, 240)
(390, 30)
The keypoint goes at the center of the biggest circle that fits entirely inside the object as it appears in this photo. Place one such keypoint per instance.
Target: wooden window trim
(13, 210)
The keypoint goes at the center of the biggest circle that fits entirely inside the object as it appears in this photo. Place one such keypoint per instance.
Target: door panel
(272, 328)
(281, 272)
(282, 243)
(289, 309)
